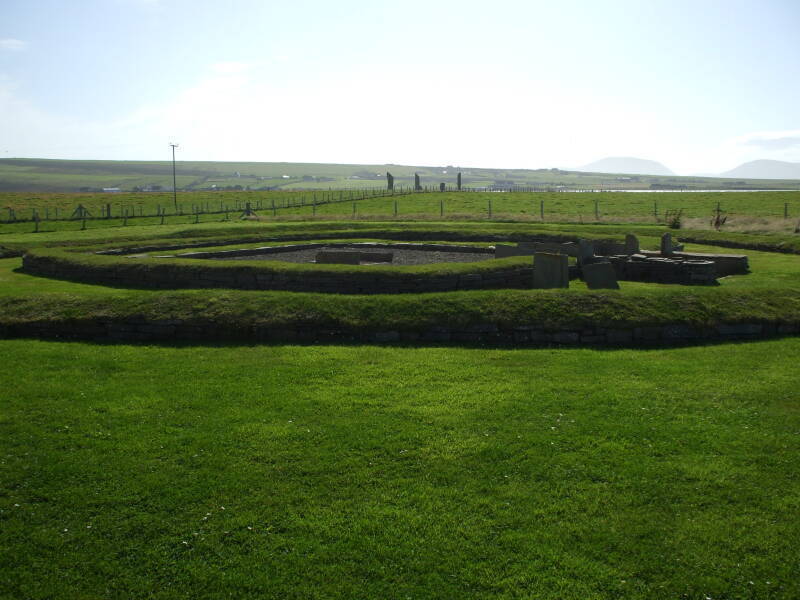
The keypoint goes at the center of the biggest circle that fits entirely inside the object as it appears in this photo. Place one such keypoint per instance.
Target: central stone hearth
(364, 254)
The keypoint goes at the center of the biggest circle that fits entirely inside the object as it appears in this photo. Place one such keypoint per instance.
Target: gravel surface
(401, 257)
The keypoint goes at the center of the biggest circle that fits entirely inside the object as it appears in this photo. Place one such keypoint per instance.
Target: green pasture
(541, 207)
(375, 472)
(613, 207)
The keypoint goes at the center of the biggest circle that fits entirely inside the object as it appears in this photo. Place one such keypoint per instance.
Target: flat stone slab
(725, 264)
(600, 276)
(531, 248)
(502, 251)
(352, 257)
(550, 271)
(568, 248)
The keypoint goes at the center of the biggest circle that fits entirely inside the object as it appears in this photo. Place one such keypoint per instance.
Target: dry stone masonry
(629, 263)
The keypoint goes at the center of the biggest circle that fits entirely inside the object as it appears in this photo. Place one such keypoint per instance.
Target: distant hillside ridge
(765, 169)
(87, 176)
(627, 165)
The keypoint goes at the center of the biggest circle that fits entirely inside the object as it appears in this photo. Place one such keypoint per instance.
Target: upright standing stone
(600, 276)
(550, 270)
(417, 186)
(585, 252)
(458, 182)
(441, 187)
(389, 181)
(631, 244)
(666, 244)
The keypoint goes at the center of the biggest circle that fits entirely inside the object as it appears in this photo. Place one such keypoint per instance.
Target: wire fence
(457, 204)
(108, 210)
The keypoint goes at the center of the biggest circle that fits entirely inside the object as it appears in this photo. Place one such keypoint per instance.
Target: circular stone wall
(399, 254)
(260, 269)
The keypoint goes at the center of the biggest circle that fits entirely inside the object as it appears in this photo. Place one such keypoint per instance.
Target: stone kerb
(531, 248)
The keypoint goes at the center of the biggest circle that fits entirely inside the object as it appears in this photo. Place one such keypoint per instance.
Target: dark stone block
(600, 276)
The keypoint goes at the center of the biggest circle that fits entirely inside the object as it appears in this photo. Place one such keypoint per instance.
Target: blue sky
(698, 85)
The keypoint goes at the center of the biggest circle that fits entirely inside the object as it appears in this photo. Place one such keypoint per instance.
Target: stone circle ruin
(627, 262)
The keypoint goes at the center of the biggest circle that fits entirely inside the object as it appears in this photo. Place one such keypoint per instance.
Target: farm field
(770, 211)
(344, 471)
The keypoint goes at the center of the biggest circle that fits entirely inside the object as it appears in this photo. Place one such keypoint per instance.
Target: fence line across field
(244, 207)
(81, 213)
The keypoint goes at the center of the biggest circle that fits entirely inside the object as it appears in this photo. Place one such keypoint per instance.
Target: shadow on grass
(245, 343)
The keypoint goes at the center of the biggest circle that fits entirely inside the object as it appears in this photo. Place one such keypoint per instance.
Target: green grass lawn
(371, 472)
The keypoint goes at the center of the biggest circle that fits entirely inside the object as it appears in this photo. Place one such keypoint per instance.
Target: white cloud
(230, 67)
(12, 44)
(772, 140)
(247, 111)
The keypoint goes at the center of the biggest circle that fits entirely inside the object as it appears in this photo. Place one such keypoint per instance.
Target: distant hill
(628, 165)
(765, 169)
(84, 176)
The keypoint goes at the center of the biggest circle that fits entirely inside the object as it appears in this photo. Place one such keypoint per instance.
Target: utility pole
(174, 185)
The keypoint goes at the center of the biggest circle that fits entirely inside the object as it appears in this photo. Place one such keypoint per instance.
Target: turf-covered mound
(516, 272)
(9, 253)
(497, 317)
(484, 303)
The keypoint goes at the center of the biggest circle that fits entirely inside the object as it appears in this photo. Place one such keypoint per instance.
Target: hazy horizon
(698, 87)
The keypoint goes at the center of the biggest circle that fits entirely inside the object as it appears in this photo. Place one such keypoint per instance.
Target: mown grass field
(345, 471)
(342, 472)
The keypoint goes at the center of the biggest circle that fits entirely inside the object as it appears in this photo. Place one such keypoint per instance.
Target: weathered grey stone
(666, 244)
(568, 248)
(585, 252)
(501, 251)
(550, 270)
(725, 264)
(608, 248)
(631, 244)
(600, 276)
